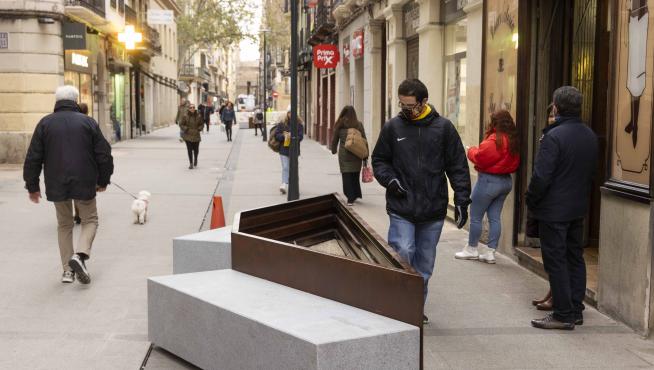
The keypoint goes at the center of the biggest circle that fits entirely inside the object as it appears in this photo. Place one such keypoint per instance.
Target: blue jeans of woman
(285, 166)
(416, 243)
(488, 198)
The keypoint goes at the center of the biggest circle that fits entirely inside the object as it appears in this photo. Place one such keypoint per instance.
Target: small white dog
(140, 207)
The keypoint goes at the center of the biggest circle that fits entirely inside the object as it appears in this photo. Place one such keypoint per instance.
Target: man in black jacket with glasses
(414, 153)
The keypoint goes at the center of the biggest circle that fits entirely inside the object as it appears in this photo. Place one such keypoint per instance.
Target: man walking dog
(77, 162)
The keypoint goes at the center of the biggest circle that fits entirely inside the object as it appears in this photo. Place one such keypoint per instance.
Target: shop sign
(78, 61)
(325, 56)
(158, 16)
(4, 40)
(356, 46)
(74, 36)
(346, 51)
(411, 19)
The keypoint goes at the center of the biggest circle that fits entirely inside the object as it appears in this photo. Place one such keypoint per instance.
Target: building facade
(44, 44)
(478, 56)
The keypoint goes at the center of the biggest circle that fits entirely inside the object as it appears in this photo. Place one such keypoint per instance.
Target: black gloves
(396, 189)
(460, 216)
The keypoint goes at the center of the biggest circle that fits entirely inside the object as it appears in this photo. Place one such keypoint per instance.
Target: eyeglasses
(407, 106)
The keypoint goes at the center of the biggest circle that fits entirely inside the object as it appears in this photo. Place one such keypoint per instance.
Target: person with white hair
(77, 162)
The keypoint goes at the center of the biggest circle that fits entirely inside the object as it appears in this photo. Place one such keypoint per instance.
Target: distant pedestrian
(206, 110)
(350, 165)
(228, 116)
(558, 197)
(543, 304)
(258, 121)
(114, 122)
(84, 108)
(414, 153)
(77, 162)
(181, 112)
(282, 134)
(496, 158)
(191, 126)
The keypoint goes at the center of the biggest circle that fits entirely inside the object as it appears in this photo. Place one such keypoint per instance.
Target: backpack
(259, 116)
(273, 143)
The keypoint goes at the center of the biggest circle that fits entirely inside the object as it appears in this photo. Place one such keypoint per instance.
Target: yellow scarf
(423, 114)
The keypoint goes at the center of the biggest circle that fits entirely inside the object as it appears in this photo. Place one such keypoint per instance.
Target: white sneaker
(68, 277)
(486, 254)
(468, 253)
(282, 188)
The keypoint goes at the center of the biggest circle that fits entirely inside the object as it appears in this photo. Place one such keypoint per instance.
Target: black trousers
(192, 148)
(207, 124)
(351, 186)
(563, 256)
(228, 130)
(257, 127)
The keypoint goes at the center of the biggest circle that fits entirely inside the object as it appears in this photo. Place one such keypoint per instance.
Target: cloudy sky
(250, 48)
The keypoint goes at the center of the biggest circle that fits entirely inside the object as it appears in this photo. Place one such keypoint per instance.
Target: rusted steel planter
(274, 243)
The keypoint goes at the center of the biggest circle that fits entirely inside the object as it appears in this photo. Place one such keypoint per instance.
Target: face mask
(411, 113)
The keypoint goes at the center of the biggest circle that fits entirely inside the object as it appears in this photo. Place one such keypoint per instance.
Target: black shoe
(579, 319)
(425, 320)
(79, 267)
(195, 164)
(549, 322)
(190, 167)
(78, 220)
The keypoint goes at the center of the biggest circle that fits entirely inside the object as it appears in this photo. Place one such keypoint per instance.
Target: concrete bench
(229, 320)
(204, 251)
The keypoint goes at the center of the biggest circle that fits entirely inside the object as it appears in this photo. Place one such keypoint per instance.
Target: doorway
(569, 41)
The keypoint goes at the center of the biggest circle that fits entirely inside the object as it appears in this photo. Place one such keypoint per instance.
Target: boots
(544, 304)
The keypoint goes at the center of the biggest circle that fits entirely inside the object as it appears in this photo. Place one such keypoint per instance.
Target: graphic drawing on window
(638, 28)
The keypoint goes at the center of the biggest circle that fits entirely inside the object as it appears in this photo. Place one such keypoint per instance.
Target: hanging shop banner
(74, 35)
(346, 51)
(357, 44)
(325, 56)
(411, 12)
(160, 17)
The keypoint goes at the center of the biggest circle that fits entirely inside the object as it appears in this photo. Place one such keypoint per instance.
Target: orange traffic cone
(217, 213)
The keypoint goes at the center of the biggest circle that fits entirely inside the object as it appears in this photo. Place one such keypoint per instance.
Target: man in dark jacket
(206, 111)
(558, 198)
(414, 153)
(76, 161)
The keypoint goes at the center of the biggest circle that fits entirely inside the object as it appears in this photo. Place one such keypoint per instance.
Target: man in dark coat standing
(558, 197)
(414, 153)
(77, 162)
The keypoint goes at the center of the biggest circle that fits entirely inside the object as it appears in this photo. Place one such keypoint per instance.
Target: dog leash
(121, 188)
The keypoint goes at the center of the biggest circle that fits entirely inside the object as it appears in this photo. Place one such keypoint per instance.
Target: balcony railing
(121, 6)
(203, 72)
(95, 5)
(324, 23)
(187, 70)
(130, 16)
(152, 38)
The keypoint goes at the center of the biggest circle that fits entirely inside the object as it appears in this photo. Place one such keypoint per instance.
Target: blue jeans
(285, 166)
(488, 197)
(416, 243)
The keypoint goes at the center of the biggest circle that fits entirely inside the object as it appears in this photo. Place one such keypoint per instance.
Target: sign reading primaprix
(156, 16)
(325, 56)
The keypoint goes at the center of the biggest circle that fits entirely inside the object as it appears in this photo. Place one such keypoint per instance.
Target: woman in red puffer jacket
(495, 160)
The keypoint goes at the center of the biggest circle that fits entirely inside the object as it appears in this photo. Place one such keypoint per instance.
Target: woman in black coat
(349, 163)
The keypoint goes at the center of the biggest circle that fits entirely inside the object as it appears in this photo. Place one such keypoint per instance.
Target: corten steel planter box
(274, 243)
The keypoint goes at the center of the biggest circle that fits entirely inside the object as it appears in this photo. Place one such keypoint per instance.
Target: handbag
(366, 173)
(356, 144)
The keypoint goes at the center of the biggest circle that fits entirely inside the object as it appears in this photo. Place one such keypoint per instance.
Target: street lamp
(293, 183)
(265, 79)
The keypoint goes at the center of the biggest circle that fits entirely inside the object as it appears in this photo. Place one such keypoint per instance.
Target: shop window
(633, 108)
(83, 83)
(454, 106)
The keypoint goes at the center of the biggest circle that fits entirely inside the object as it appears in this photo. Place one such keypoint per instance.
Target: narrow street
(479, 313)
